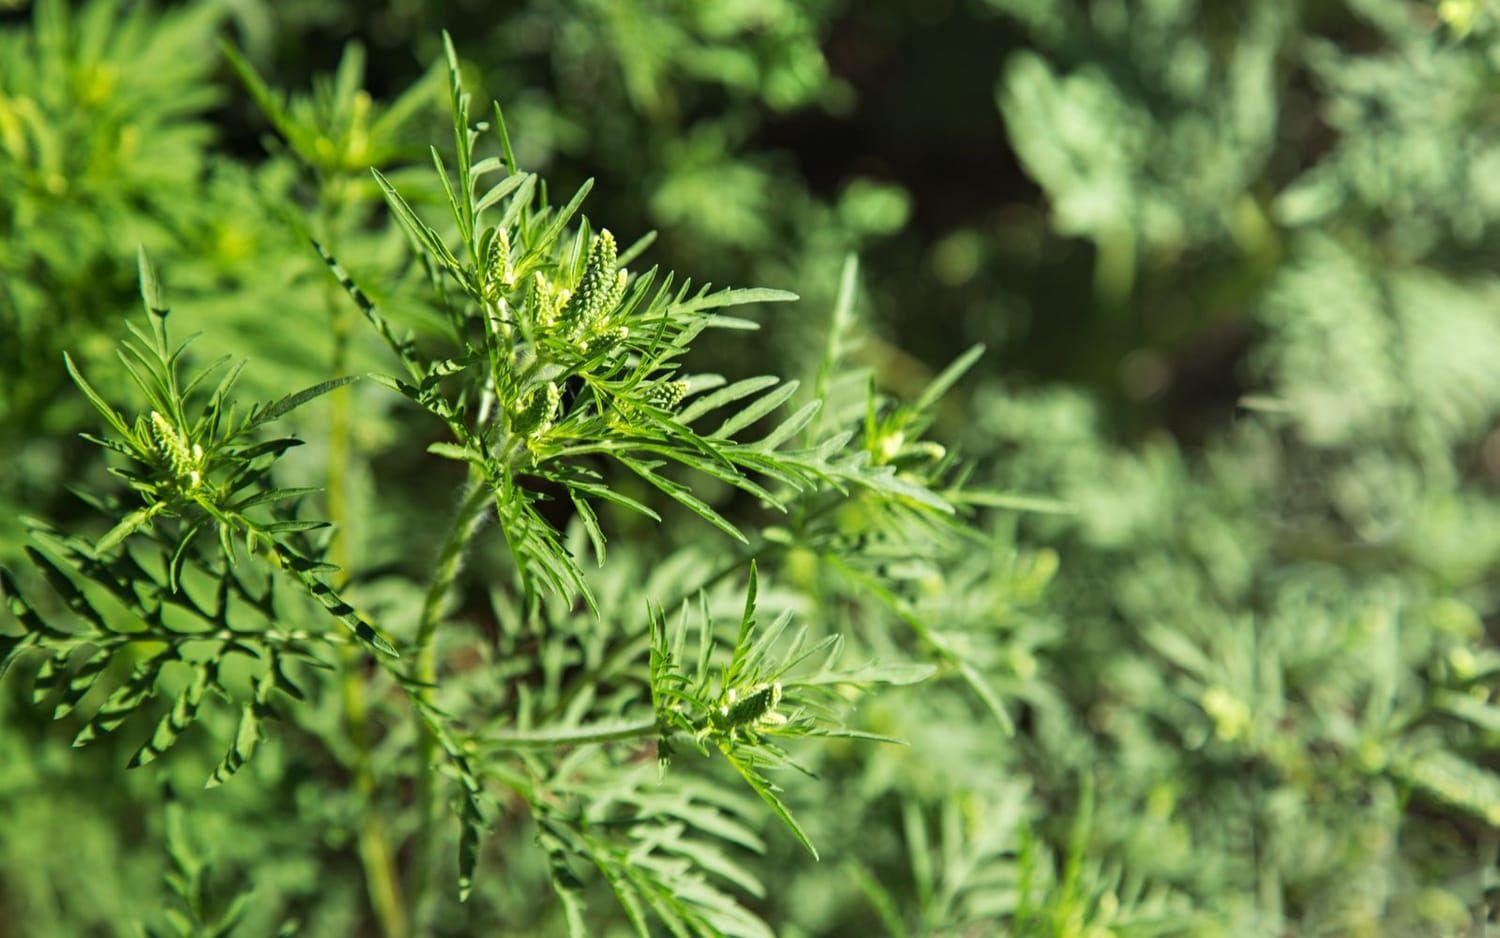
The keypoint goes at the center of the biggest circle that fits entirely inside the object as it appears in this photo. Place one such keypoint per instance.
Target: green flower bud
(185, 461)
(535, 412)
(545, 302)
(607, 339)
(757, 707)
(497, 274)
(598, 288)
(667, 394)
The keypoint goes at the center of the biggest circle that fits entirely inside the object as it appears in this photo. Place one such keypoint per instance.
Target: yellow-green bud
(888, 445)
(545, 301)
(757, 706)
(606, 339)
(497, 274)
(599, 283)
(1230, 714)
(667, 394)
(184, 460)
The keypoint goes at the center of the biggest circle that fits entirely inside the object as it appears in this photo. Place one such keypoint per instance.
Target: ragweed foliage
(559, 377)
(748, 706)
(196, 471)
(560, 358)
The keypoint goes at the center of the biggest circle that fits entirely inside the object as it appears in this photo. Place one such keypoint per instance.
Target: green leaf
(762, 406)
(124, 702)
(287, 527)
(304, 571)
(561, 219)
(1452, 780)
(471, 827)
(946, 379)
(726, 395)
(767, 793)
(736, 297)
(269, 102)
(454, 451)
(171, 726)
(414, 225)
(683, 496)
(590, 523)
(269, 412)
(1012, 501)
(246, 737)
(81, 681)
(272, 495)
(151, 294)
(499, 191)
(115, 420)
(789, 427)
(127, 526)
(504, 132)
(1486, 716)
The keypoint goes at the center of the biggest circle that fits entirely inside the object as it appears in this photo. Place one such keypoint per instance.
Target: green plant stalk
(375, 853)
(466, 522)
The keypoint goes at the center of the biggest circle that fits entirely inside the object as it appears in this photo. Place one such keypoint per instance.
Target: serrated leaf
(80, 681)
(763, 788)
(683, 496)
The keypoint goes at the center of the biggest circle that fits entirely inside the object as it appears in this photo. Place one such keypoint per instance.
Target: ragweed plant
(761, 696)
(560, 384)
(559, 356)
(196, 471)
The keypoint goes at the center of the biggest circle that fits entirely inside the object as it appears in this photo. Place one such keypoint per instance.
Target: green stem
(466, 522)
(375, 853)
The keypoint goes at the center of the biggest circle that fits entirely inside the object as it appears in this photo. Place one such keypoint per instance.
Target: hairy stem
(466, 522)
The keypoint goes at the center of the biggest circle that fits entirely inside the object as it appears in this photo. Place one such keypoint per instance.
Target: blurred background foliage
(1233, 264)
